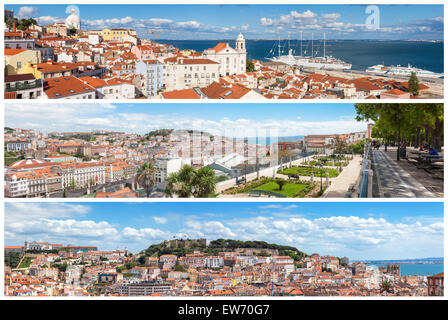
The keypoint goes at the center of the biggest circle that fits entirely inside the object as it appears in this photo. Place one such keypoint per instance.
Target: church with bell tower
(231, 60)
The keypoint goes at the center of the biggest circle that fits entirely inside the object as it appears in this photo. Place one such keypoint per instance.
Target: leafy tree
(146, 177)
(180, 268)
(339, 145)
(73, 184)
(12, 259)
(281, 183)
(73, 31)
(250, 67)
(413, 123)
(413, 84)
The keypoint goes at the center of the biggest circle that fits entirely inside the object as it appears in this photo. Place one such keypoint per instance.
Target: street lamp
(399, 135)
(321, 168)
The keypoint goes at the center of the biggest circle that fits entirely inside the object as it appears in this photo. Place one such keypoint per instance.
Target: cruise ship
(326, 62)
(403, 71)
(323, 62)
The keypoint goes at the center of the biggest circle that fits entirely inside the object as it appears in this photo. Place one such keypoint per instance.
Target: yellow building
(117, 34)
(15, 59)
(49, 69)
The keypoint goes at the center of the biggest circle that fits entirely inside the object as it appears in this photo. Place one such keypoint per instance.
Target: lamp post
(399, 135)
(321, 168)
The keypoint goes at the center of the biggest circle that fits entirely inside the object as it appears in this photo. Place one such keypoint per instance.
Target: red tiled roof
(181, 94)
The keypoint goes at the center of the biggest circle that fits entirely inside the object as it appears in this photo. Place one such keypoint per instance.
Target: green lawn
(306, 171)
(291, 190)
(26, 262)
(328, 163)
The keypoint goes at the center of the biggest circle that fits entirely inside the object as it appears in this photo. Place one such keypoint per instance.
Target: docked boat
(402, 71)
(317, 62)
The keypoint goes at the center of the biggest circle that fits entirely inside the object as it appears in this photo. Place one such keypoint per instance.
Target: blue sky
(255, 21)
(359, 230)
(288, 119)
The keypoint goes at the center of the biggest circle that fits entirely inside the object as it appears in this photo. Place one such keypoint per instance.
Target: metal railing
(365, 185)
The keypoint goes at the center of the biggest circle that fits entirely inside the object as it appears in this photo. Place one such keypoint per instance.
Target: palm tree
(145, 176)
(386, 286)
(181, 183)
(205, 183)
(189, 182)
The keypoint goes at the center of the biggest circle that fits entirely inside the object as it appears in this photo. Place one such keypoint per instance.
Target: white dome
(240, 37)
(73, 21)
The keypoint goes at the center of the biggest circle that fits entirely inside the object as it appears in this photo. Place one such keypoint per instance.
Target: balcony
(17, 86)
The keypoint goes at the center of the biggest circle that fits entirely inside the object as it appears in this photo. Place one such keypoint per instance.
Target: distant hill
(220, 245)
(159, 132)
(167, 132)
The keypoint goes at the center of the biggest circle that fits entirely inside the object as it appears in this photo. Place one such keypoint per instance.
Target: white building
(181, 73)
(16, 185)
(110, 89)
(83, 174)
(214, 262)
(231, 60)
(18, 145)
(165, 166)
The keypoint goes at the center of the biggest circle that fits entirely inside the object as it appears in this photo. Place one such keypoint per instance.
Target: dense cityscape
(62, 60)
(105, 164)
(185, 267)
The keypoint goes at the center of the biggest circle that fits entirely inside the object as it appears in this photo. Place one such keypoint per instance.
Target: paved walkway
(340, 185)
(391, 181)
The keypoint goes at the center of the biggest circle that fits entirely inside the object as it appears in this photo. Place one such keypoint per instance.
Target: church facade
(231, 60)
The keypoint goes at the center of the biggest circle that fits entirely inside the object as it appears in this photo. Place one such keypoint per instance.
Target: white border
(227, 2)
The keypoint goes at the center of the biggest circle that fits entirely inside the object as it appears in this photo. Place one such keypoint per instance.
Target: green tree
(73, 31)
(339, 145)
(413, 84)
(189, 182)
(146, 177)
(281, 183)
(250, 67)
(386, 286)
(414, 123)
(180, 268)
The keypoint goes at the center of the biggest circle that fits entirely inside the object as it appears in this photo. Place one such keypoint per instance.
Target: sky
(358, 230)
(214, 22)
(230, 119)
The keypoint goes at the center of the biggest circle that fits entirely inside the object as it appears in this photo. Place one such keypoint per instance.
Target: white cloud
(308, 14)
(78, 117)
(331, 16)
(161, 220)
(27, 12)
(355, 237)
(266, 21)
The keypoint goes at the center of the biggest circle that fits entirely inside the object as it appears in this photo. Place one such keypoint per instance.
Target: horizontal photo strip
(230, 249)
(224, 51)
(361, 150)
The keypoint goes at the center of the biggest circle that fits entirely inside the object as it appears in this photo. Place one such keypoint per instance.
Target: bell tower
(240, 44)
